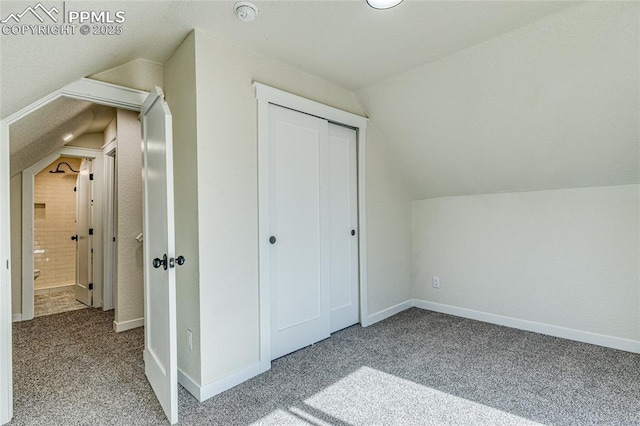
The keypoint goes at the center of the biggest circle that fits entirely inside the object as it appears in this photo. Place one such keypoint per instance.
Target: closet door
(343, 228)
(298, 215)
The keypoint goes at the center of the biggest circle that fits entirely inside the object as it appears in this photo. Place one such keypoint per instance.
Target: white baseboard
(386, 313)
(16, 317)
(189, 384)
(202, 393)
(536, 327)
(127, 325)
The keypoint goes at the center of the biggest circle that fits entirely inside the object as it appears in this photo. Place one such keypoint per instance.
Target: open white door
(84, 234)
(160, 352)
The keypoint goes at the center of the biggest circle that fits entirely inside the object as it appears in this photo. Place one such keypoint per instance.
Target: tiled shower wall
(54, 224)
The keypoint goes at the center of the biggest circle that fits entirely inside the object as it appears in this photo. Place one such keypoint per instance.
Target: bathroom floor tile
(55, 303)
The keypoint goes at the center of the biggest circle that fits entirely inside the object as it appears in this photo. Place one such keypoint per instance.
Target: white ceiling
(470, 96)
(42, 132)
(346, 41)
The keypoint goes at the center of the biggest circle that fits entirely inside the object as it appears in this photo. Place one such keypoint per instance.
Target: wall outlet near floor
(189, 340)
(435, 282)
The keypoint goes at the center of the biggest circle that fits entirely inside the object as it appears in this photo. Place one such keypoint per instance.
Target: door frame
(28, 186)
(84, 89)
(269, 95)
(109, 226)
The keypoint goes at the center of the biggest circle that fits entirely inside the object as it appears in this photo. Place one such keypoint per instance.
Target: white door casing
(160, 353)
(298, 204)
(84, 238)
(343, 227)
(270, 96)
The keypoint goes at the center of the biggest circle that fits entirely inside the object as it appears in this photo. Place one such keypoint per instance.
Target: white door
(298, 205)
(160, 352)
(84, 237)
(343, 227)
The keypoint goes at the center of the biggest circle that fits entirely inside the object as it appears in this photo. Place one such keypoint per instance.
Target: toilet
(36, 273)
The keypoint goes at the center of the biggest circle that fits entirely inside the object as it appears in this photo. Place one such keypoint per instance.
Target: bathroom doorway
(62, 237)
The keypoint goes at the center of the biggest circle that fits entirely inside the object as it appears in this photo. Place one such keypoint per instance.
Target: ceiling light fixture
(383, 4)
(68, 137)
(246, 11)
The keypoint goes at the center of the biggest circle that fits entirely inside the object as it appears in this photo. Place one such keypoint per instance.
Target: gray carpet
(416, 368)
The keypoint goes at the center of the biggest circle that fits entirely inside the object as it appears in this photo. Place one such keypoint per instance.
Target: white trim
(389, 312)
(17, 317)
(127, 325)
(189, 384)
(108, 229)
(84, 89)
(202, 393)
(268, 95)
(6, 345)
(28, 180)
(536, 327)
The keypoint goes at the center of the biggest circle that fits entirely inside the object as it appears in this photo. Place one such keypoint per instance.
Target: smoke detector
(246, 11)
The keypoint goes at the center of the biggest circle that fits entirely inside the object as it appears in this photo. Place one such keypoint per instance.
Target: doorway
(84, 89)
(84, 249)
(61, 209)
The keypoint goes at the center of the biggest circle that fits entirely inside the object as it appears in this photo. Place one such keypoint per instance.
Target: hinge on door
(90, 231)
(90, 176)
(90, 286)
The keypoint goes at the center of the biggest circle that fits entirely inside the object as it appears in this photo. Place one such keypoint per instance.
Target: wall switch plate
(189, 340)
(435, 282)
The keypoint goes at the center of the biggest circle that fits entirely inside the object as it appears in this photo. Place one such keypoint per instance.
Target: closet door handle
(353, 232)
(74, 237)
(272, 239)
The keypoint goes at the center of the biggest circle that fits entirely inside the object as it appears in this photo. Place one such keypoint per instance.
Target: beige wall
(129, 305)
(180, 88)
(16, 244)
(568, 258)
(54, 224)
(389, 229)
(227, 201)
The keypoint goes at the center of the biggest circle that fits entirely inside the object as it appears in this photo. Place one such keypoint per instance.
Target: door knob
(353, 232)
(180, 260)
(157, 262)
(272, 239)
(74, 237)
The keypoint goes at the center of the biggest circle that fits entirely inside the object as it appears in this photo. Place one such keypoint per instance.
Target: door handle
(157, 262)
(74, 237)
(353, 232)
(272, 239)
(179, 260)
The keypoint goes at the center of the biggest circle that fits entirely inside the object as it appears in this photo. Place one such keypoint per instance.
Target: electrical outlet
(435, 282)
(189, 340)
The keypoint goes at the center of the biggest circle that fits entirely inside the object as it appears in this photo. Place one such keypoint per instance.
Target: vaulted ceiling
(469, 96)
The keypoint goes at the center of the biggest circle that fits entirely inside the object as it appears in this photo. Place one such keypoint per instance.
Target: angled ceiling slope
(345, 42)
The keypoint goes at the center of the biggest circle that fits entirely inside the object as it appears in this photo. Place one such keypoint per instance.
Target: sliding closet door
(298, 207)
(343, 227)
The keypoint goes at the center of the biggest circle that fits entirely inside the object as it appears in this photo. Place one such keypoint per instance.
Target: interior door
(84, 238)
(343, 227)
(160, 353)
(298, 205)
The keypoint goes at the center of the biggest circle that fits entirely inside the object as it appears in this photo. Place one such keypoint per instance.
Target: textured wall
(130, 303)
(16, 244)
(54, 224)
(568, 258)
